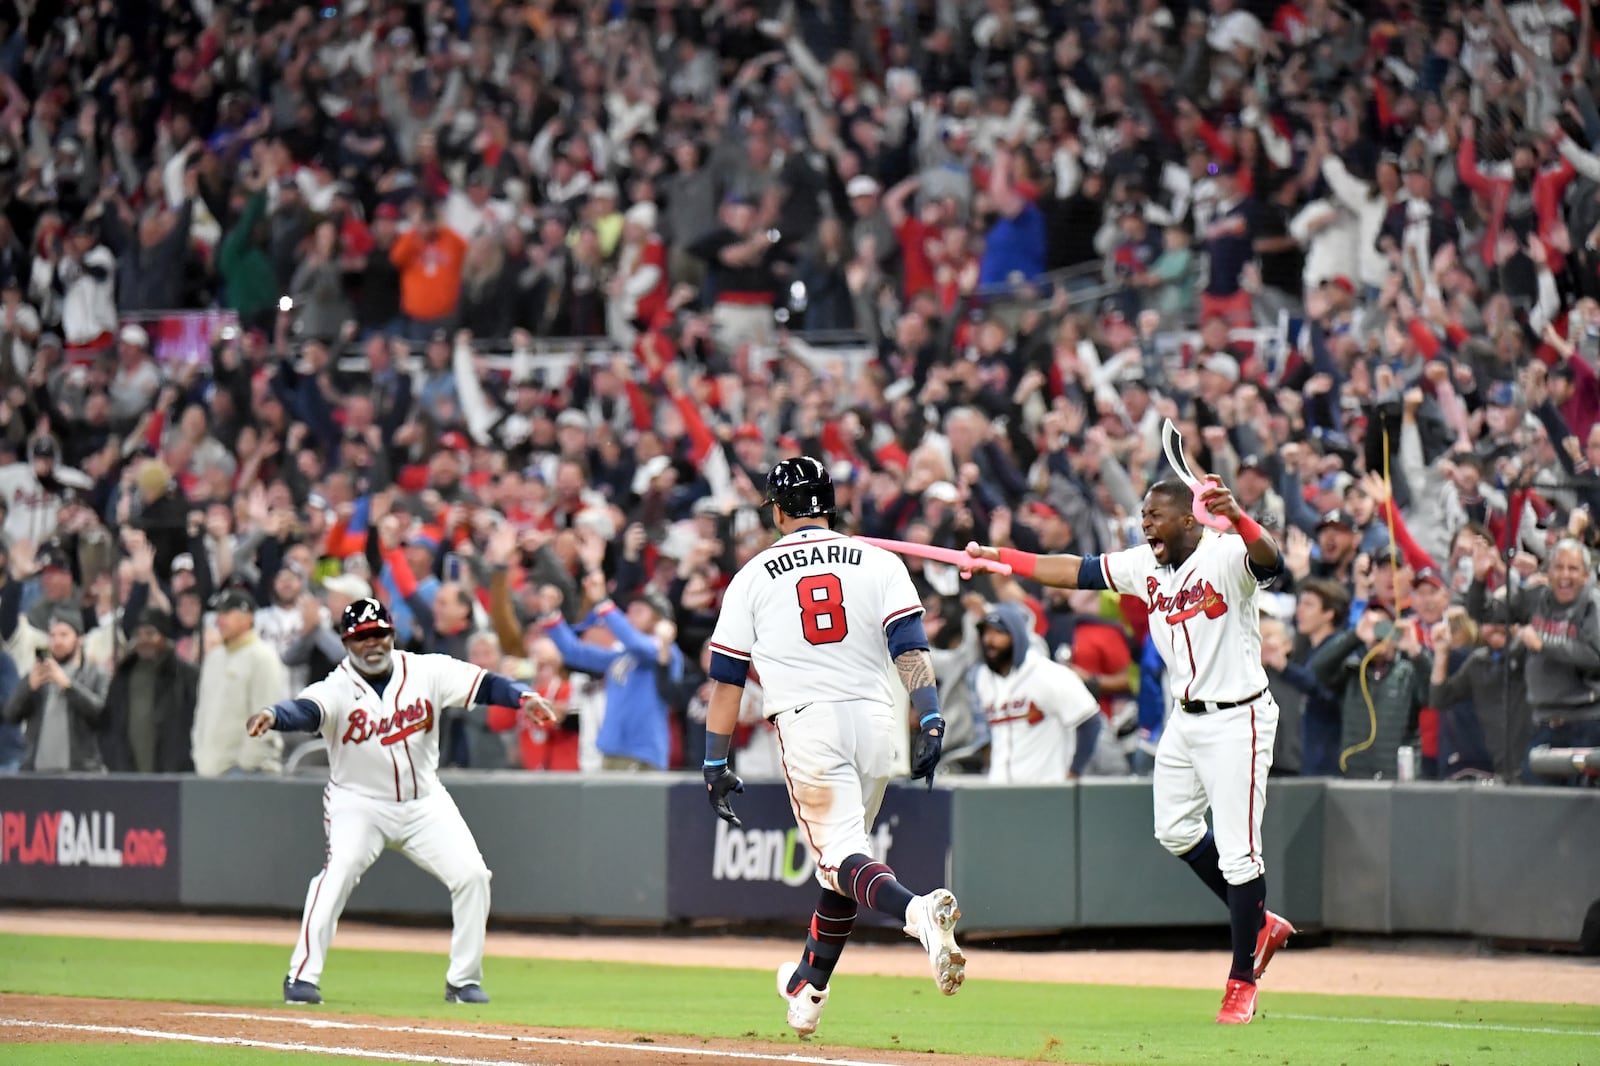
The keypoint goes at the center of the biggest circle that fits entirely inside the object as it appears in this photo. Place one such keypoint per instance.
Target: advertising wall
(646, 850)
(763, 870)
(108, 840)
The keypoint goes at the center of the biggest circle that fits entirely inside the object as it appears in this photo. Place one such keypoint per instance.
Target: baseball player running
(819, 616)
(1200, 589)
(1043, 721)
(378, 710)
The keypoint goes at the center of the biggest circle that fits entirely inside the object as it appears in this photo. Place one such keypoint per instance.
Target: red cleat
(1238, 1003)
(1275, 932)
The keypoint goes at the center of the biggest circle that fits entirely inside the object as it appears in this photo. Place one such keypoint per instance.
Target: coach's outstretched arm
(299, 715)
(305, 715)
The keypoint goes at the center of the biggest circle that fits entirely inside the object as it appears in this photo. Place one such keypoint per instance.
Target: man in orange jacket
(429, 258)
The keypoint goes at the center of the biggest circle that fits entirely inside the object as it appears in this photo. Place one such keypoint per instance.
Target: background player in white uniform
(1043, 721)
(379, 712)
(1200, 589)
(820, 616)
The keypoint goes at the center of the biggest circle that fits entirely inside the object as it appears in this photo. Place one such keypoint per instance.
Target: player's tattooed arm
(916, 669)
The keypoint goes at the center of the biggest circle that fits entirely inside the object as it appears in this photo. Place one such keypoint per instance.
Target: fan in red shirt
(640, 286)
(1100, 651)
(921, 235)
(1574, 386)
(542, 747)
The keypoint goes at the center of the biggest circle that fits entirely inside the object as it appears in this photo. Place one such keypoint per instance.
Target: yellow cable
(1372, 714)
(1394, 568)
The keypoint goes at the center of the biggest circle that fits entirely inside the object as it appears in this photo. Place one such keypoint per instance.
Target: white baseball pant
(1220, 759)
(431, 833)
(836, 758)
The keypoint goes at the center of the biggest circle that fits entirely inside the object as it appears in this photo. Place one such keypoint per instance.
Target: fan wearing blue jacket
(634, 733)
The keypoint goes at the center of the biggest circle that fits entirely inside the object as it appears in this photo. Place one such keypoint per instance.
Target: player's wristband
(925, 701)
(717, 745)
(1022, 563)
(1248, 528)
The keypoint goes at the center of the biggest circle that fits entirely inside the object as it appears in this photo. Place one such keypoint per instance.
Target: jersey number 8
(822, 608)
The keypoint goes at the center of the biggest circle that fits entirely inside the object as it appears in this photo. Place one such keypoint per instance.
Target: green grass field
(1049, 1023)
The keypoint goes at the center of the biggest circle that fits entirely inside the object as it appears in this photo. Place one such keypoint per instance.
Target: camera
(41, 654)
(1389, 404)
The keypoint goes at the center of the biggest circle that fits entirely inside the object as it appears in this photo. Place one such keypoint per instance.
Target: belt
(1202, 707)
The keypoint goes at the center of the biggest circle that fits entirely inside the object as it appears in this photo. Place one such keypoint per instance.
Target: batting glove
(926, 747)
(720, 781)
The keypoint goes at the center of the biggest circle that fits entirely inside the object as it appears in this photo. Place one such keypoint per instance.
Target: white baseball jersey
(1203, 616)
(387, 746)
(810, 613)
(281, 627)
(1033, 712)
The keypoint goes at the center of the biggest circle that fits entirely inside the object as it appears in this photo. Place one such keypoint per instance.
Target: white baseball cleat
(805, 1005)
(932, 920)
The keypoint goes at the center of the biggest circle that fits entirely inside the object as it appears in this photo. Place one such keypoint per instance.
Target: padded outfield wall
(645, 850)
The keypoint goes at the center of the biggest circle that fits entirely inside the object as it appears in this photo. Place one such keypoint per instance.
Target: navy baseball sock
(872, 884)
(1204, 860)
(1247, 909)
(830, 928)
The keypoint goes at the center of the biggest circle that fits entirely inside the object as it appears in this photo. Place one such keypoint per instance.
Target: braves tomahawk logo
(415, 718)
(1017, 710)
(1199, 598)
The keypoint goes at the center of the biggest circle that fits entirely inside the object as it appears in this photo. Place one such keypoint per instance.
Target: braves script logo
(416, 718)
(1018, 710)
(1199, 598)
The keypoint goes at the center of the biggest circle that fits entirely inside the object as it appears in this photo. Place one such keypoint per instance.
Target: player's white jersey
(282, 627)
(1033, 713)
(387, 746)
(810, 614)
(1203, 616)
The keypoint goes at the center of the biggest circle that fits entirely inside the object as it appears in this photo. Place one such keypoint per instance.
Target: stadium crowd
(1353, 254)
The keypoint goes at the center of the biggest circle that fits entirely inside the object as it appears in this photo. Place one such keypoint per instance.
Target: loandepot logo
(776, 854)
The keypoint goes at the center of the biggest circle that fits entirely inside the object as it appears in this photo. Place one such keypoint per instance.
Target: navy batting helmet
(363, 617)
(801, 487)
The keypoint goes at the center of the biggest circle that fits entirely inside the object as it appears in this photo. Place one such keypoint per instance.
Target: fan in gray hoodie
(1561, 630)
(1038, 711)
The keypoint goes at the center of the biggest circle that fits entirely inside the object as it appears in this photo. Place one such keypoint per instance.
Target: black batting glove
(926, 747)
(720, 781)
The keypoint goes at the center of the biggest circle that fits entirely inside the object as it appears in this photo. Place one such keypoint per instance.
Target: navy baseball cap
(364, 616)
